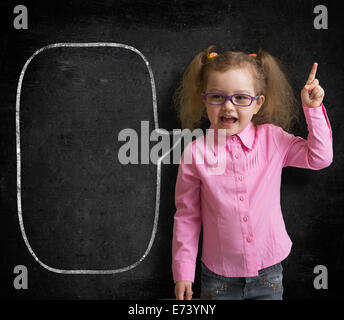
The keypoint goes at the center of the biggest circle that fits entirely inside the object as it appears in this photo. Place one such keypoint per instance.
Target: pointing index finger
(311, 76)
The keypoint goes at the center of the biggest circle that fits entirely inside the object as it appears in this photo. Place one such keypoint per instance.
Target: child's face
(230, 82)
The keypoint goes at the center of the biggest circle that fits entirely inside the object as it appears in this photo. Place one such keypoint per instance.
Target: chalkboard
(84, 224)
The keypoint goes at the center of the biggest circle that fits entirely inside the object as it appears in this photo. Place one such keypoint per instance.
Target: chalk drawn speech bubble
(18, 153)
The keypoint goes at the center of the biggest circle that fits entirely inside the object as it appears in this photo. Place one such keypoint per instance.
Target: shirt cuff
(315, 117)
(183, 271)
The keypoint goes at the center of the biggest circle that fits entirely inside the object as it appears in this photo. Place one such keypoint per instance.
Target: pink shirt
(243, 227)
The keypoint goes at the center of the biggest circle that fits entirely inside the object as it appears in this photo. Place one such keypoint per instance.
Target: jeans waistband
(277, 266)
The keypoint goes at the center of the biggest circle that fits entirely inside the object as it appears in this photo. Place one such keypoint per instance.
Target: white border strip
(155, 113)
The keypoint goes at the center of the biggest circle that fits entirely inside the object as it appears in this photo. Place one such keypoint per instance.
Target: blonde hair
(280, 106)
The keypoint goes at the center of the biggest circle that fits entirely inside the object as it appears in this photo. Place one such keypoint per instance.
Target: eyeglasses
(238, 99)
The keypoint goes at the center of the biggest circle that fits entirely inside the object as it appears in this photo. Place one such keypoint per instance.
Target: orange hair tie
(253, 54)
(212, 55)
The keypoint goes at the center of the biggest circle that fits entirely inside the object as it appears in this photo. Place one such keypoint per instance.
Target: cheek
(245, 118)
(212, 114)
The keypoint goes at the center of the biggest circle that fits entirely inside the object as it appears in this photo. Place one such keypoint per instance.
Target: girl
(244, 236)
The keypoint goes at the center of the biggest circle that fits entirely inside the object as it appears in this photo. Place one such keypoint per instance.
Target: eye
(215, 96)
(242, 97)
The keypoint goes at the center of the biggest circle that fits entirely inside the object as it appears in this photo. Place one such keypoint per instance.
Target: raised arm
(317, 151)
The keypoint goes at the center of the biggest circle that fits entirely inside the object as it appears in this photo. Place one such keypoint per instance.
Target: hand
(312, 94)
(181, 287)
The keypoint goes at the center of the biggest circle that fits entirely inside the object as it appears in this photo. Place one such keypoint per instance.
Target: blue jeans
(266, 286)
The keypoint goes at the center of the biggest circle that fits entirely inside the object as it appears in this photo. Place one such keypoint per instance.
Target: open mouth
(228, 120)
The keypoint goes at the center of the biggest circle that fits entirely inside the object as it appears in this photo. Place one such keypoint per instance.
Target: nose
(228, 104)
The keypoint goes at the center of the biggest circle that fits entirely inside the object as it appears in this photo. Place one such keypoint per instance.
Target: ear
(259, 103)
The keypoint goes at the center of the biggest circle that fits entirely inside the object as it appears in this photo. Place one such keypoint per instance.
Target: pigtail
(187, 98)
(280, 106)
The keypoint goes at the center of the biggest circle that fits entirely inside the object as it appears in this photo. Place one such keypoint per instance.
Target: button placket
(239, 167)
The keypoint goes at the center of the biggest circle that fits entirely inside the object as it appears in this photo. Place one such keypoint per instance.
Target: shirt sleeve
(187, 220)
(314, 153)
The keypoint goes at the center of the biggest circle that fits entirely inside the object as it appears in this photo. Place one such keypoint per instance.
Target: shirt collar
(246, 135)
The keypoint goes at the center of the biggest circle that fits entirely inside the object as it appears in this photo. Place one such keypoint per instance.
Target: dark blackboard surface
(82, 209)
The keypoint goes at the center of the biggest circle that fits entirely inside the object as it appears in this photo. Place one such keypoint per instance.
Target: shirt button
(245, 218)
(234, 138)
(237, 155)
(241, 178)
(249, 239)
(241, 198)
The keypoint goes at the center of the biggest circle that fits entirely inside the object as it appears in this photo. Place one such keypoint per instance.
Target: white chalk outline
(155, 113)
